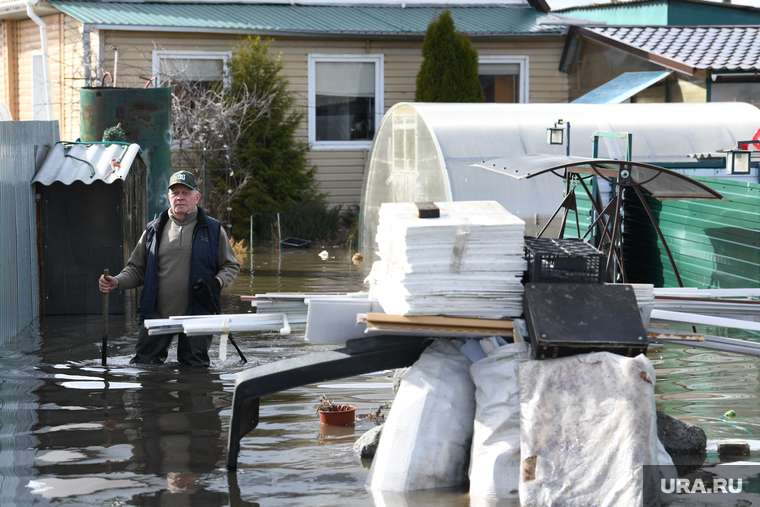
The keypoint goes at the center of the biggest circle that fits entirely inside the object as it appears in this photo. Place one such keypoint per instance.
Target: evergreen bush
(281, 175)
(449, 71)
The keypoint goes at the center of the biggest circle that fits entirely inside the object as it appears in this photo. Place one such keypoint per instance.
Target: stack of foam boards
(468, 262)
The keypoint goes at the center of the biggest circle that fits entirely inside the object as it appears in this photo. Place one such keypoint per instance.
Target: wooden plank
(376, 319)
(439, 329)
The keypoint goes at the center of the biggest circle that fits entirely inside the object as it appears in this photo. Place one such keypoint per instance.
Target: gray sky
(562, 4)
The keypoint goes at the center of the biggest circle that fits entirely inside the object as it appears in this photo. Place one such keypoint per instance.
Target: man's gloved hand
(205, 292)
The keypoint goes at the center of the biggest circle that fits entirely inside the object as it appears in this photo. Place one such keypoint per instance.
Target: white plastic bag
(588, 426)
(426, 438)
(495, 458)
(667, 470)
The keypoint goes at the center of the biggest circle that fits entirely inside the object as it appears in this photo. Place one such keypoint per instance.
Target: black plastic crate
(563, 261)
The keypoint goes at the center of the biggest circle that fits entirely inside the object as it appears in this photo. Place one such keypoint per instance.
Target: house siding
(28, 41)
(74, 77)
(339, 172)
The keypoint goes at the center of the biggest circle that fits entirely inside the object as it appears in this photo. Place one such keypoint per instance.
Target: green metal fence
(583, 204)
(714, 243)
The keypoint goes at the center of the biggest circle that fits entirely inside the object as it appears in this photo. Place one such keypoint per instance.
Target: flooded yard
(75, 433)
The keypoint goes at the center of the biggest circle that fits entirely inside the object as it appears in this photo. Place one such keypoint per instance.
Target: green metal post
(594, 189)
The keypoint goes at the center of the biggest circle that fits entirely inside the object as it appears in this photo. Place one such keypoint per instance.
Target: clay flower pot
(343, 417)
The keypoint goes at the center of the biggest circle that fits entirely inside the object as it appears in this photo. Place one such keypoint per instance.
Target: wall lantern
(738, 160)
(556, 134)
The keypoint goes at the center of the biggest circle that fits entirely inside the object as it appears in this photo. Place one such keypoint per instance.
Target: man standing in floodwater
(182, 261)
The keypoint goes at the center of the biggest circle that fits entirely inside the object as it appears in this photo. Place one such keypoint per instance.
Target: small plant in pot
(335, 415)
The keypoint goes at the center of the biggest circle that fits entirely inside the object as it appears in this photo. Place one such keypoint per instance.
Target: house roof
(315, 20)
(667, 12)
(685, 49)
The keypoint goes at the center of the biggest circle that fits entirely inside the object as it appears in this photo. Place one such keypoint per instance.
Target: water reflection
(72, 432)
(18, 415)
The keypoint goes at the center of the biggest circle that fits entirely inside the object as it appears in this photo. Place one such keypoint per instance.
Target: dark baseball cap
(184, 178)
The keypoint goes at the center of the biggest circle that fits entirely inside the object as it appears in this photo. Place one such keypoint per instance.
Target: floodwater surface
(75, 433)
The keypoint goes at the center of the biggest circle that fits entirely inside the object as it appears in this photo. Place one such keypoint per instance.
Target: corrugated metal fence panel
(714, 243)
(19, 280)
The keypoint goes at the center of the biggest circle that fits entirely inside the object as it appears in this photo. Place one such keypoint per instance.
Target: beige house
(347, 62)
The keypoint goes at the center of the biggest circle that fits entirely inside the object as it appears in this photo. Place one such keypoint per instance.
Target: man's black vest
(204, 262)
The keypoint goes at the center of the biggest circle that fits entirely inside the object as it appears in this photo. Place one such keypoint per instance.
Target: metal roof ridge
(304, 33)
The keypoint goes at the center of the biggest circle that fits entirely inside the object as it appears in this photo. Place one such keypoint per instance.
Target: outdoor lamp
(555, 135)
(737, 161)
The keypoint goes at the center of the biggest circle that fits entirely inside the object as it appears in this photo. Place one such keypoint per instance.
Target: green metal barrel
(145, 116)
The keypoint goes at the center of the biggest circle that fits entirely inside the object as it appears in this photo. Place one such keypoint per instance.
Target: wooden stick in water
(105, 325)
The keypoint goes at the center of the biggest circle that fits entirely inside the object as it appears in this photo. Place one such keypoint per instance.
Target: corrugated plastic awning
(622, 87)
(662, 184)
(268, 19)
(86, 163)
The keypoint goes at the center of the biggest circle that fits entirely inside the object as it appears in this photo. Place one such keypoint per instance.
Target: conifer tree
(281, 174)
(449, 71)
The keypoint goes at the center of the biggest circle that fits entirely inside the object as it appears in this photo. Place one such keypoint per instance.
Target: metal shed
(92, 211)
(425, 152)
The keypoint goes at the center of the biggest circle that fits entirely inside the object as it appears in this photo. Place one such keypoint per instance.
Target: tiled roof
(695, 47)
(278, 19)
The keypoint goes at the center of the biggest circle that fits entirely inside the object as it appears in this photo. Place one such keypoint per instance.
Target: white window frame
(159, 54)
(523, 61)
(379, 61)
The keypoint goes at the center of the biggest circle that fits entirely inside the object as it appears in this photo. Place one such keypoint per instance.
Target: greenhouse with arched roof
(428, 152)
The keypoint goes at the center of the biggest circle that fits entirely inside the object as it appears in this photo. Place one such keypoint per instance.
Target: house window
(504, 78)
(199, 67)
(345, 100)
(39, 95)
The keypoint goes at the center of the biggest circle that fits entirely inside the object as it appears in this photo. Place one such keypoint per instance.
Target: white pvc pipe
(721, 347)
(44, 49)
(703, 320)
(115, 64)
(285, 325)
(705, 293)
(216, 325)
(178, 324)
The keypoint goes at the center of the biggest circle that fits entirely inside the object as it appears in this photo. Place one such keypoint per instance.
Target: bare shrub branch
(211, 119)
